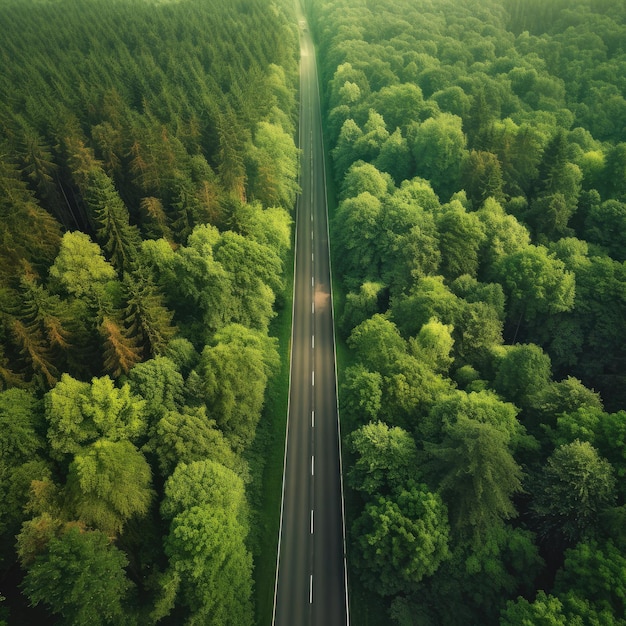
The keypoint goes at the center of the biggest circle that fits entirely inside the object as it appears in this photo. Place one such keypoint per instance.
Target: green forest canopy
(148, 171)
(479, 153)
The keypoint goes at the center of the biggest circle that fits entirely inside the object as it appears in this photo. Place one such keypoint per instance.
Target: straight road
(311, 581)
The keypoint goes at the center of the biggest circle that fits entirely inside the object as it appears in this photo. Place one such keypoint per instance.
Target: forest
(479, 235)
(148, 172)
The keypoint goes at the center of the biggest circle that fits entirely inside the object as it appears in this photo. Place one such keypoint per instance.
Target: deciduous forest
(148, 172)
(479, 158)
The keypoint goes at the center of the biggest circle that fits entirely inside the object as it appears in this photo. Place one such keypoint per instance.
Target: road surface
(311, 582)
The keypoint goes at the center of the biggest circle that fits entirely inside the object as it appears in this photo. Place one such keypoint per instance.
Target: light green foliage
(386, 459)
(191, 436)
(374, 136)
(234, 371)
(344, 153)
(80, 267)
(408, 243)
(394, 157)
(274, 162)
(399, 104)
(206, 550)
(536, 283)
(482, 407)
(504, 235)
(361, 393)
(360, 305)
(80, 413)
(20, 426)
(357, 225)
(364, 177)
(81, 577)
(433, 345)
(595, 572)
(255, 276)
(545, 610)
(268, 226)
(429, 298)
(109, 483)
(377, 343)
(159, 383)
(205, 482)
(438, 150)
(210, 567)
(401, 540)
(574, 488)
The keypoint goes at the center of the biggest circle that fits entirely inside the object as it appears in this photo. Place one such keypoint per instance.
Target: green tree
(357, 228)
(146, 316)
(191, 436)
(438, 150)
(119, 238)
(545, 610)
(361, 393)
(401, 539)
(207, 553)
(80, 267)
(523, 372)
(395, 158)
(81, 577)
(536, 283)
(204, 482)
(433, 345)
(604, 226)
(274, 160)
(481, 177)
(234, 371)
(108, 484)
(461, 236)
(386, 459)
(477, 475)
(80, 413)
(377, 343)
(594, 571)
(364, 177)
(361, 305)
(575, 486)
(158, 382)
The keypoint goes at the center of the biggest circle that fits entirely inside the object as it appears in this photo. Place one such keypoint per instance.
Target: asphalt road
(311, 582)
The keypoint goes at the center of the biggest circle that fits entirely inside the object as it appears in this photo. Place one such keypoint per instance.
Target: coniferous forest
(479, 158)
(148, 173)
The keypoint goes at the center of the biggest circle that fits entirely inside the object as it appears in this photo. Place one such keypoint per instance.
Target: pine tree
(147, 318)
(121, 352)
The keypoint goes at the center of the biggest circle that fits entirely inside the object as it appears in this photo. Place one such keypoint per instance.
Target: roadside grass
(266, 459)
